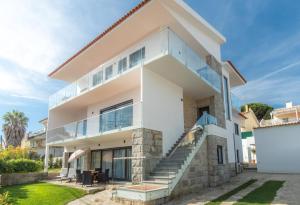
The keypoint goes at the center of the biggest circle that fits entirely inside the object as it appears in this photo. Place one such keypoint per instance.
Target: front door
(201, 110)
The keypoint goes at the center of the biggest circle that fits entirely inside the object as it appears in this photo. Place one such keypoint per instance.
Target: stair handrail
(191, 138)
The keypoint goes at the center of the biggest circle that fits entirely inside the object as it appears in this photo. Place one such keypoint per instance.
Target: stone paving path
(289, 194)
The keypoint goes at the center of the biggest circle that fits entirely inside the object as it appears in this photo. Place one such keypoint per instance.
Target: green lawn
(54, 170)
(263, 195)
(223, 197)
(41, 193)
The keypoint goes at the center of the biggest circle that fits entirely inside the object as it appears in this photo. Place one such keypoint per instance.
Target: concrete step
(155, 178)
(158, 181)
(163, 173)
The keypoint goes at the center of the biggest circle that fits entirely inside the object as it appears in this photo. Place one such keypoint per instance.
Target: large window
(136, 57)
(220, 154)
(116, 117)
(122, 65)
(96, 159)
(97, 78)
(226, 97)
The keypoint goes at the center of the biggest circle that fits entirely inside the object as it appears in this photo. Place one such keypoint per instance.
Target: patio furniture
(78, 176)
(71, 174)
(99, 177)
(106, 176)
(98, 169)
(87, 178)
(63, 174)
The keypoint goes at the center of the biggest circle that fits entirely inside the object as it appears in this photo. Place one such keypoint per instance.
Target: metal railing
(165, 42)
(116, 120)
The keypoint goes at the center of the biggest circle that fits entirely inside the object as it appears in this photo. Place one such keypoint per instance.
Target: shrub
(20, 165)
(4, 199)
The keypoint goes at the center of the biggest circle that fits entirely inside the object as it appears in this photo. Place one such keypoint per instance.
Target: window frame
(220, 155)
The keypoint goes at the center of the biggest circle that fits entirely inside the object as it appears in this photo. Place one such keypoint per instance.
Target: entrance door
(107, 156)
(201, 110)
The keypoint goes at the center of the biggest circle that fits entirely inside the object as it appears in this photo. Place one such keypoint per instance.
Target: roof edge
(101, 35)
(236, 70)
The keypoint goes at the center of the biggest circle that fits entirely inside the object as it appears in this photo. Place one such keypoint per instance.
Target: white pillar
(46, 160)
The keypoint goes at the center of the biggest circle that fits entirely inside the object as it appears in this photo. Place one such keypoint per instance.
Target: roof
(242, 115)
(237, 71)
(280, 125)
(101, 35)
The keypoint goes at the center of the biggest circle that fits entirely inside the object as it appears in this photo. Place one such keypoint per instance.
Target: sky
(263, 41)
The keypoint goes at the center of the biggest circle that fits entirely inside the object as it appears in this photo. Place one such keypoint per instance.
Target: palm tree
(14, 128)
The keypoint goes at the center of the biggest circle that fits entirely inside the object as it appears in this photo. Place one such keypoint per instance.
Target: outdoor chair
(71, 174)
(106, 176)
(87, 178)
(63, 174)
(78, 176)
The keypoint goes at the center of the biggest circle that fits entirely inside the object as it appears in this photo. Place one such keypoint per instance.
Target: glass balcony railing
(165, 42)
(115, 120)
(236, 102)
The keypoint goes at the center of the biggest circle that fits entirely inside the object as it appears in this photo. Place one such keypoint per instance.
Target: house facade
(138, 89)
(36, 141)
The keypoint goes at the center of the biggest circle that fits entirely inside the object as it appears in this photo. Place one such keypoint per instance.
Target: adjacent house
(277, 141)
(36, 141)
(248, 140)
(149, 99)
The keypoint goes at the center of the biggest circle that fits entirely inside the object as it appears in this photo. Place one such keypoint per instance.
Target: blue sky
(263, 41)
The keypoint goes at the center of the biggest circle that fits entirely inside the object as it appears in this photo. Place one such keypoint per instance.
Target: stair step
(165, 182)
(153, 178)
(162, 173)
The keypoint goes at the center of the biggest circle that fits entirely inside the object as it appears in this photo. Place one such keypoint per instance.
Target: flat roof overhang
(151, 17)
(171, 69)
(113, 136)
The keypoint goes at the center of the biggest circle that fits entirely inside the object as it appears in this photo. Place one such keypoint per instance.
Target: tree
(262, 111)
(14, 128)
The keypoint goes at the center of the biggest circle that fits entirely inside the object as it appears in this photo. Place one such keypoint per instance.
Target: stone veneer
(146, 152)
(204, 170)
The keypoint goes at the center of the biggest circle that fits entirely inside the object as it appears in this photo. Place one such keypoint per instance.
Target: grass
(223, 197)
(54, 170)
(264, 194)
(41, 193)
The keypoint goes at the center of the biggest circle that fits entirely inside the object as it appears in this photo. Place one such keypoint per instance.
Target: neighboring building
(278, 143)
(36, 141)
(135, 93)
(248, 140)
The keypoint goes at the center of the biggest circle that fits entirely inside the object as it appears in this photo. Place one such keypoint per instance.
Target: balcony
(236, 102)
(122, 118)
(152, 48)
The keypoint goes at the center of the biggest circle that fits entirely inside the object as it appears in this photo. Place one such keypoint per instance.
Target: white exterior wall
(162, 108)
(93, 111)
(248, 156)
(278, 149)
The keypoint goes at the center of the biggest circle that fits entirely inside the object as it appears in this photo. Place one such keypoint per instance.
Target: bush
(4, 199)
(20, 165)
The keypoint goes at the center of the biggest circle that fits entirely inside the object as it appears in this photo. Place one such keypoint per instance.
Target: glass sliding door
(96, 159)
(119, 164)
(128, 164)
(107, 158)
(116, 117)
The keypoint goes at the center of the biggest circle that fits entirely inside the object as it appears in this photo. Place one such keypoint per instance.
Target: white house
(145, 96)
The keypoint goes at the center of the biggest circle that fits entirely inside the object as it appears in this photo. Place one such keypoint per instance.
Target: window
(96, 159)
(122, 65)
(237, 156)
(136, 57)
(226, 97)
(236, 129)
(116, 117)
(220, 154)
(97, 78)
(108, 72)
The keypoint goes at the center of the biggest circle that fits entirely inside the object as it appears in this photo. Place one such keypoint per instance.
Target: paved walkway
(289, 194)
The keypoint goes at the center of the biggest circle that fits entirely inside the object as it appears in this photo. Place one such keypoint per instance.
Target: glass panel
(81, 128)
(122, 65)
(136, 57)
(97, 78)
(80, 163)
(124, 116)
(107, 161)
(107, 121)
(96, 159)
(119, 164)
(108, 72)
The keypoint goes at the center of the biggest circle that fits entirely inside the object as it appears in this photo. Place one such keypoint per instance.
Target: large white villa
(150, 97)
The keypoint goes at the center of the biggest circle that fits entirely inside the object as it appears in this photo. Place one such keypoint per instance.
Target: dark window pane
(108, 72)
(136, 57)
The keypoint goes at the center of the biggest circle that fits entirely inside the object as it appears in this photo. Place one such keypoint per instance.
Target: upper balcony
(151, 49)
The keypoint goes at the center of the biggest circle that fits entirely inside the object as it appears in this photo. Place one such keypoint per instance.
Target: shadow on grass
(15, 192)
(264, 194)
(223, 197)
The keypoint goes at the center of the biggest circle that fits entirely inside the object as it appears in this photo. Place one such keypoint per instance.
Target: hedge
(20, 165)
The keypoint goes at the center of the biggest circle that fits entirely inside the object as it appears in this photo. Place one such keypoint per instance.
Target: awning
(76, 154)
